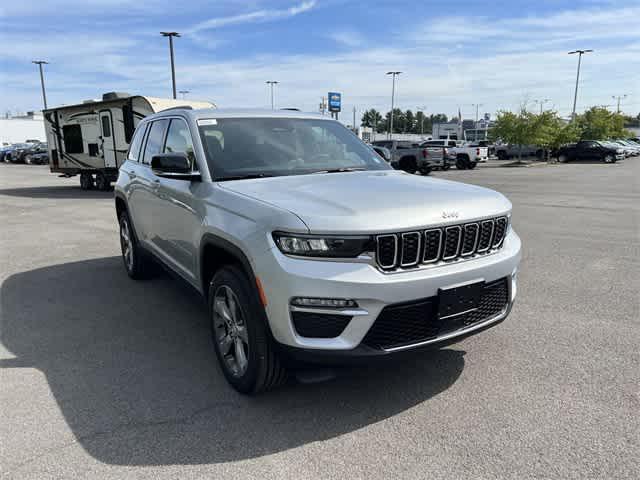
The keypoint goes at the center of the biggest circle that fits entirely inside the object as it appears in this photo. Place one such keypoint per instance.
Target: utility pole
(393, 94)
(271, 83)
(575, 95)
(477, 105)
(323, 105)
(421, 109)
(173, 67)
(541, 102)
(618, 97)
(44, 95)
(355, 128)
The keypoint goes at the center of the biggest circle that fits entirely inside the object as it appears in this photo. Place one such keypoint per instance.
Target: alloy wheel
(230, 330)
(126, 244)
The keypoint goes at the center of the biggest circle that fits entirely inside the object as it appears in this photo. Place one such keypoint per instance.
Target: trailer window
(106, 126)
(136, 143)
(179, 140)
(72, 139)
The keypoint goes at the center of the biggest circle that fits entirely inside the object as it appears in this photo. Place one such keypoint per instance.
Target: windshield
(245, 147)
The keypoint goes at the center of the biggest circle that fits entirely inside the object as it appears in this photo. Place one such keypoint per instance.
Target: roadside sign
(335, 101)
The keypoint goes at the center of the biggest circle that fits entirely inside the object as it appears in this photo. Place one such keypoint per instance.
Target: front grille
(410, 249)
(319, 325)
(414, 322)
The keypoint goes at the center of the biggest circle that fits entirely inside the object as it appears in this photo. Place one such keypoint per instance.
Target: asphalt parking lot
(103, 377)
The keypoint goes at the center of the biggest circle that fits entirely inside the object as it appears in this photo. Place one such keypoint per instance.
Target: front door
(108, 140)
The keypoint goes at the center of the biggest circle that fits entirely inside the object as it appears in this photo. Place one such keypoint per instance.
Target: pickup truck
(589, 150)
(411, 157)
(505, 152)
(466, 155)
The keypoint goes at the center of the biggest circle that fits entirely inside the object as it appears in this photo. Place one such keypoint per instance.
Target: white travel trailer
(91, 139)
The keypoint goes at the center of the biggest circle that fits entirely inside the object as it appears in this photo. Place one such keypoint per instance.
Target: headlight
(322, 245)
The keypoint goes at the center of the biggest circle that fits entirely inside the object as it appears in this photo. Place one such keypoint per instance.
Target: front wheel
(28, 160)
(472, 165)
(240, 335)
(563, 158)
(609, 158)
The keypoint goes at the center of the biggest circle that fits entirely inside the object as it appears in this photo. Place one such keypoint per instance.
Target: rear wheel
(408, 164)
(563, 158)
(102, 182)
(241, 339)
(462, 162)
(86, 181)
(135, 261)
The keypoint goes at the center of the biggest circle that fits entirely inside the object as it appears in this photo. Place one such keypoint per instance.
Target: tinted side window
(154, 140)
(136, 143)
(179, 140)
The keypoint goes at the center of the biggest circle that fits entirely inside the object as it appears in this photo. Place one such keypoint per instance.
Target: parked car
(383, 152)
(16, 153)
(36, 154)
(589, 150)
(306, 246)
(629, 148)
(465, 155)
(3, 151)
(41, 158)
(505, 151)
(410, 157)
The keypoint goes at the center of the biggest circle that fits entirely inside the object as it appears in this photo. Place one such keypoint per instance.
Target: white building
(22, 128)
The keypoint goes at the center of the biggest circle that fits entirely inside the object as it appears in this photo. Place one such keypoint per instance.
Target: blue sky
(453, 54)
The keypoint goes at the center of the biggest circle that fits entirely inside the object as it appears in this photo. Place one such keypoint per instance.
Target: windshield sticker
(207, 121)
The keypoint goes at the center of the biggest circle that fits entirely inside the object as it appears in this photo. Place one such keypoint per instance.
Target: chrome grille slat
(436, 245)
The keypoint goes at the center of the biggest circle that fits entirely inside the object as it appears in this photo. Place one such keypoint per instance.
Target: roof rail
(179, 107)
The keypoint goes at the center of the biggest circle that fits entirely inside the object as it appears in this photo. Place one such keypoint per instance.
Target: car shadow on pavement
(63, 191)
(133, 371)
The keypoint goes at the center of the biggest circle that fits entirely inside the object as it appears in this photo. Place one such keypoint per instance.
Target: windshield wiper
(243, 177)
(340, 170)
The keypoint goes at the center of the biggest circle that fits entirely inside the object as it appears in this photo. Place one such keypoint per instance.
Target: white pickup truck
(466, 155)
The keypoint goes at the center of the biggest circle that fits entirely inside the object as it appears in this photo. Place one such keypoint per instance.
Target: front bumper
(284, 278)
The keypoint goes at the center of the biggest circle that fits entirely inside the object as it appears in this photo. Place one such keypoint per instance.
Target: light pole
(44, 95)
(393, 94)
(615, 97)
(184, 93)
(477, 105)
(575, 95)
(541, 102)
(421, 109)
(271, 83)
(173, 68)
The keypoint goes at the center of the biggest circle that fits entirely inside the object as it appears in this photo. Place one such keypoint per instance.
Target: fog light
(323, 302)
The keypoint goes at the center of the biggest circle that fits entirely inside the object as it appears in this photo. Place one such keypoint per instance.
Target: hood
(373, 201)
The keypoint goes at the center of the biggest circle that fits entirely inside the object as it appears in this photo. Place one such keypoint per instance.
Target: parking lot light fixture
(618, 98)
(271, 83)
(422, 109)
(393, 93)
(541, 103)
(575, 95)
(173, 68)
(44, 94)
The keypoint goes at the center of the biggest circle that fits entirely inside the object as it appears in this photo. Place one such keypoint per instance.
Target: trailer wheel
(102, 182)
(86, 181)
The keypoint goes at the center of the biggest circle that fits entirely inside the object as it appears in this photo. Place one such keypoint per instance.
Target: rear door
(108, 141)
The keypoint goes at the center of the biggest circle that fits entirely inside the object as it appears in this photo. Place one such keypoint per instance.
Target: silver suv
(307, 246)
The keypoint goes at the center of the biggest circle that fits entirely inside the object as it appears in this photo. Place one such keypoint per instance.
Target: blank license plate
(458, 300)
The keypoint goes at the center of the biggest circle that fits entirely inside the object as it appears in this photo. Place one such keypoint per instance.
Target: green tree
(518, 129)
(399, 121)
(552, 132)
(423, 123)
(438, 118)
(409, 122)
(371, 118)
(598, 123)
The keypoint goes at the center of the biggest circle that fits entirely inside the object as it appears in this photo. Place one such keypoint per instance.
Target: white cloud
(348, 38)
(264, 15)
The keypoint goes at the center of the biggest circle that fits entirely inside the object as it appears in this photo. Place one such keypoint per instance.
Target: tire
(502, 155)
(472, 165)
(425, 170)
(608, 158)
(28, 159)
(250, 363)
(102, 182)
(86, 181)
(462, 162)
(408, 164)
(562, 158)
(136, 262)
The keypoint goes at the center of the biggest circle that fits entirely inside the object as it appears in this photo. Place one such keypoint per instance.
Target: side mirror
(173, 165)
